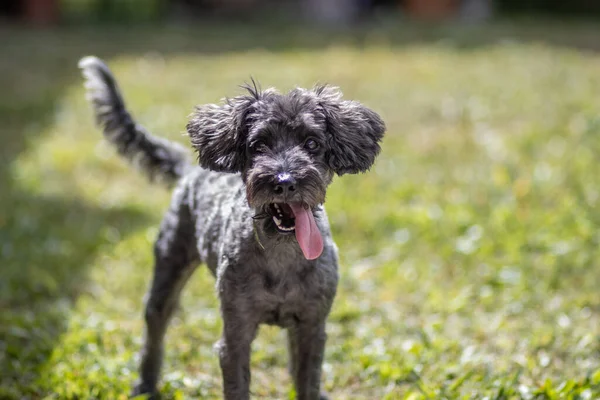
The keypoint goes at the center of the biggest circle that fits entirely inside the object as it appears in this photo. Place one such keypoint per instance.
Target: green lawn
(470, 252)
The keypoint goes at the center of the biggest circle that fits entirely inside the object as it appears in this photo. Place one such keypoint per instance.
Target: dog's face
(287, 148)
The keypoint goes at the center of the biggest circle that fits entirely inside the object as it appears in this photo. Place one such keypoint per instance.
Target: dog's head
(287, 148)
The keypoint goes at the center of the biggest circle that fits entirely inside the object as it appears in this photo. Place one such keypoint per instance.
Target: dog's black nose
(284, 184)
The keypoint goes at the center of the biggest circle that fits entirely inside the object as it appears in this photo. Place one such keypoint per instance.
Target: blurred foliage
(470, 251)
(82, 11)
(113, 10)
(587, 8)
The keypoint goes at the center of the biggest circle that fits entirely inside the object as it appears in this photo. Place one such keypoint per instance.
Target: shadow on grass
(47, 246)
(46, 243)
(67, 233)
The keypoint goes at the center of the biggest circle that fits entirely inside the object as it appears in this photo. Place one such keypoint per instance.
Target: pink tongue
(308, 235)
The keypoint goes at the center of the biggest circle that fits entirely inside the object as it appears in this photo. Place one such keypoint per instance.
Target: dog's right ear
(355, 131)
(219, 132)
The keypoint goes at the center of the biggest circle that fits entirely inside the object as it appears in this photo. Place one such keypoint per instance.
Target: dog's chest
(286, 297)
(274, 282)
(281, 293)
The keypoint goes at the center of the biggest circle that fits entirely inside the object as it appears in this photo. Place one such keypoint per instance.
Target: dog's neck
(257, 235)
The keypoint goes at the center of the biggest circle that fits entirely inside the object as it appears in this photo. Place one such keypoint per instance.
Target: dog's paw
(143, 391)
(324, 396)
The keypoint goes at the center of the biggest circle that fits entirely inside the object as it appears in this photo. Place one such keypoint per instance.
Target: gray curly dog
(252, 212)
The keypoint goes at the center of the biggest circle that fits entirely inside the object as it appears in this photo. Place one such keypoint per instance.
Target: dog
(251, 211)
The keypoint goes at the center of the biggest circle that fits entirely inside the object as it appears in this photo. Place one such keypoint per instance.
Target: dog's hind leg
(176, 258)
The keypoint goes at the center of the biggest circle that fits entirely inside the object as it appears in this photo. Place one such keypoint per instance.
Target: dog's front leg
(307, 346)
(234, 354)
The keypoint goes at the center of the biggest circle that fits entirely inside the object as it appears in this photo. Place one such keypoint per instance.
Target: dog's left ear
(355, 132)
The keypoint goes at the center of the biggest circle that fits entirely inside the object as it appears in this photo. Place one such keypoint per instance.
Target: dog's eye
(260, 146)
(311, 145)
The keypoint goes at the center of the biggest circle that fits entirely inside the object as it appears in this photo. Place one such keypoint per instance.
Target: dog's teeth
(281, 227)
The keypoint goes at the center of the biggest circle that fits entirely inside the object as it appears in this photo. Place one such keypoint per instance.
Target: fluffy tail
(159, 159)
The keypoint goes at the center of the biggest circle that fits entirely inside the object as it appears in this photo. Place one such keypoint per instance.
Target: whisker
(261, 215)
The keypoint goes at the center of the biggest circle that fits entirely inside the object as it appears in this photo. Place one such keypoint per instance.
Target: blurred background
(330, 11)
(469, 252)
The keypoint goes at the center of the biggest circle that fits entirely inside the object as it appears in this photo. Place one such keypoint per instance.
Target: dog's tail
(159, 159)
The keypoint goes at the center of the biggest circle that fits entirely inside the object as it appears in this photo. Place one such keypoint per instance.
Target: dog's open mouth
(298, 217)
(283, 216)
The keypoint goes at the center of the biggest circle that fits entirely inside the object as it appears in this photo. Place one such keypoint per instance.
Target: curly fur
(220, 215)
(355, 132)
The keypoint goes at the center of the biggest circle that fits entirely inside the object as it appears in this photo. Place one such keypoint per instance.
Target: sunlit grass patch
(469, 251)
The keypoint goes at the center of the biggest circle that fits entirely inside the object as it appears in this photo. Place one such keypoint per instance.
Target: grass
(470, 251)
